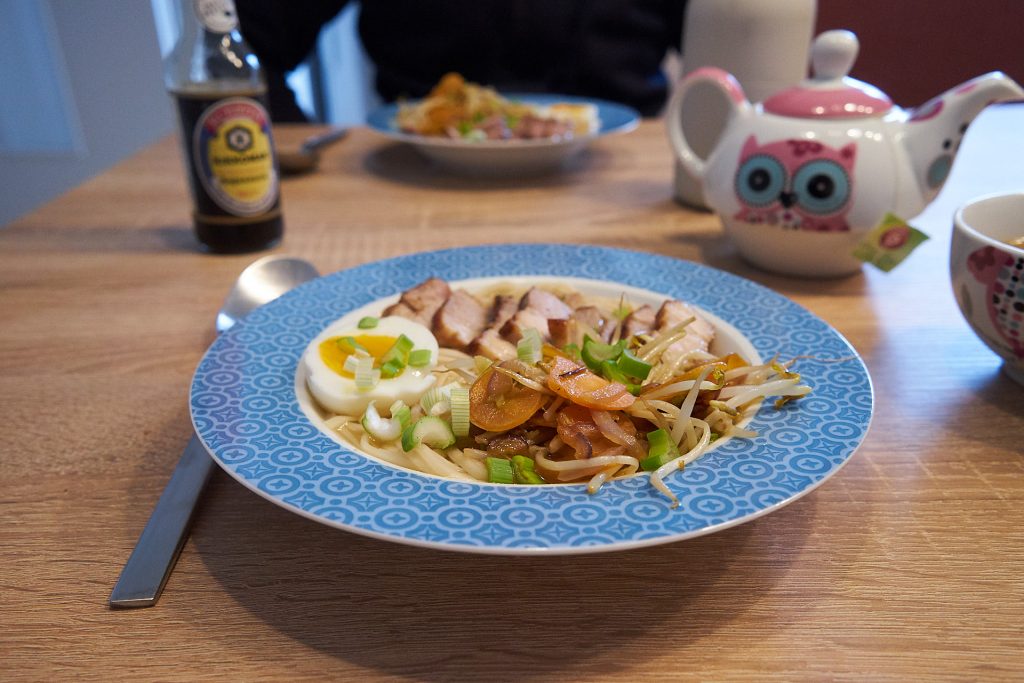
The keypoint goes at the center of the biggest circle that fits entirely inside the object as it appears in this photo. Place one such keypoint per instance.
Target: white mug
(987, 273)
(765, 44)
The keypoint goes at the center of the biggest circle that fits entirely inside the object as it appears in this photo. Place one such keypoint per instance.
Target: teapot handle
(712, 75)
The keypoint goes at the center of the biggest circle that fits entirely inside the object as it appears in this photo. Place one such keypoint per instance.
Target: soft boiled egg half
(330, 373)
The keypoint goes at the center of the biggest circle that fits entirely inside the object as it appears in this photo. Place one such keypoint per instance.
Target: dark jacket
(610, 49)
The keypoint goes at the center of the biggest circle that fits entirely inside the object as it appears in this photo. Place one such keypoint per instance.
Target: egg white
(340, 394)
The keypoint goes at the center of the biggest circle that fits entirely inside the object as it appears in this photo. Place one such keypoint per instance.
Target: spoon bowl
(262, 282)
(307, 157)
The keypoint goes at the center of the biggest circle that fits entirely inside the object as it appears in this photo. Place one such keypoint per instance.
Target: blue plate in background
(505, 157)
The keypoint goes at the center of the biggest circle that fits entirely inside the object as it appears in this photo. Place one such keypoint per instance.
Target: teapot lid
(830, 93)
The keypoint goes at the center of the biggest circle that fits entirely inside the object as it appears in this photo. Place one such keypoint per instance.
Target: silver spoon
(308, 155)
(150, 564)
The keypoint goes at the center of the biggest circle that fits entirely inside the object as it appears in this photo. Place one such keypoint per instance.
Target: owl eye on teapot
(800, 178)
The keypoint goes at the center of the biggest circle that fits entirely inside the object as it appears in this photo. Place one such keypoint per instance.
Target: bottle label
(216, 16)
(234, 156)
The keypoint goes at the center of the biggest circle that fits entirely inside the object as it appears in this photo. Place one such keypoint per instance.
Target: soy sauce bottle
(225, 130)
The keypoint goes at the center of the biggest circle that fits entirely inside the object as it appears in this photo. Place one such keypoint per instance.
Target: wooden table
(906, 566)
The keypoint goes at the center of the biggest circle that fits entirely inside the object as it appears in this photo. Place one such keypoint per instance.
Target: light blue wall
(81, 88)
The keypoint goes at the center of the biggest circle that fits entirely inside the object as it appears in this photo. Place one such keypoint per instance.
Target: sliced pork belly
(545, 303)
(638, 321)
(699, 333)
(503, 307)
(490, 345)
(512, 330)
(459, 320)
(421, 302)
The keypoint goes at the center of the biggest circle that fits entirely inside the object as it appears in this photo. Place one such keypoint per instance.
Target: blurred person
(608, 49)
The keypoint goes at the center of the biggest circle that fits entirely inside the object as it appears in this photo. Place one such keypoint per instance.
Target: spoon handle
(144, 575)
(317, 142)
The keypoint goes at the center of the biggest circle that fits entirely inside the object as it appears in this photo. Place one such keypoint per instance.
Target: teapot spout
(934, 129)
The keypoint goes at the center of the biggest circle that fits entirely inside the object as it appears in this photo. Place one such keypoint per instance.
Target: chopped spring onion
(499, 471)
(437, 400)
(367, 323)
(380, 428)
(529, 347)
(395, 358)
(367, 376)
(429, 430)
(523, 471)
(459, 400)
(661, 449)
(351, 363)
(611, 372)
(402, 412)
(419, 357)
(594, 352)
(632, 366)
(350, 346)
(392, 368)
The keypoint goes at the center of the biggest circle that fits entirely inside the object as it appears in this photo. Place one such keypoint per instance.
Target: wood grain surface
(908, 565)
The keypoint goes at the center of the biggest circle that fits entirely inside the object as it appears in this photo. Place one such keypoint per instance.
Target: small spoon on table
(150, 564)
(307, 157)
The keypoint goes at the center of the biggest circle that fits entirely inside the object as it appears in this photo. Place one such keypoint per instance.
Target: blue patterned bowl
(252, 415)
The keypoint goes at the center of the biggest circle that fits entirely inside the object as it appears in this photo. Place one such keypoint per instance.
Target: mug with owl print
(986, 266)
(799, 179)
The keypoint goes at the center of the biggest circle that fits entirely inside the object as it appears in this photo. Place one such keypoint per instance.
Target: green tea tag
(889, 243)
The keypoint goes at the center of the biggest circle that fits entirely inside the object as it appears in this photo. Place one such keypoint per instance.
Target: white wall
(81, 88)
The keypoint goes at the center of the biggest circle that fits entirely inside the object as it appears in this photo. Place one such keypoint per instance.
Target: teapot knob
(833, 54)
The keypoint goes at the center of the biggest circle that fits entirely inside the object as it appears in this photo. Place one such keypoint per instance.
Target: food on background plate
(1017, 242)
(462, 110)
(536, 386)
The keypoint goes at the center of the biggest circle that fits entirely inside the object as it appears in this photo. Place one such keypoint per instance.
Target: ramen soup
(535, 386)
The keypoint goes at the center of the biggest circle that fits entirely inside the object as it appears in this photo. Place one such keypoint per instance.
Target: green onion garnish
(436, 400)
(633, 366)
(367, 376)
(401, 412)
(499, 471)
(610, 371)
(391, 368)
(661, 449)
(523, 471)
(594, 352)
(430, 430)
(419, 357)
(395, 358)
(459, 400)
(381, 429)
(351, 363)
(367, 323)
(349, 345)
(529, 347)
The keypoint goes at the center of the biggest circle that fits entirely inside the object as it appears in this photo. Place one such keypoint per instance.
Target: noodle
(567, 413)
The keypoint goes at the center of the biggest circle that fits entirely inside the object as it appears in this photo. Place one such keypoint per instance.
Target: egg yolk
(335, 350)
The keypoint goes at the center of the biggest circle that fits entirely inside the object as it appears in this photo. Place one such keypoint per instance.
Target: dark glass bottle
(225, 130)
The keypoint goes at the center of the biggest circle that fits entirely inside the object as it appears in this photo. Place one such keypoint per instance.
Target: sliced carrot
(575, 382)
(498, 403)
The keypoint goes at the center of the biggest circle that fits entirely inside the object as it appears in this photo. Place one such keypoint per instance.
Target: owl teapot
(800, 178)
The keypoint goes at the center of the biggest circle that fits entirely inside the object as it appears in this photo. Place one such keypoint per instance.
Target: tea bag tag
(889, 243)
